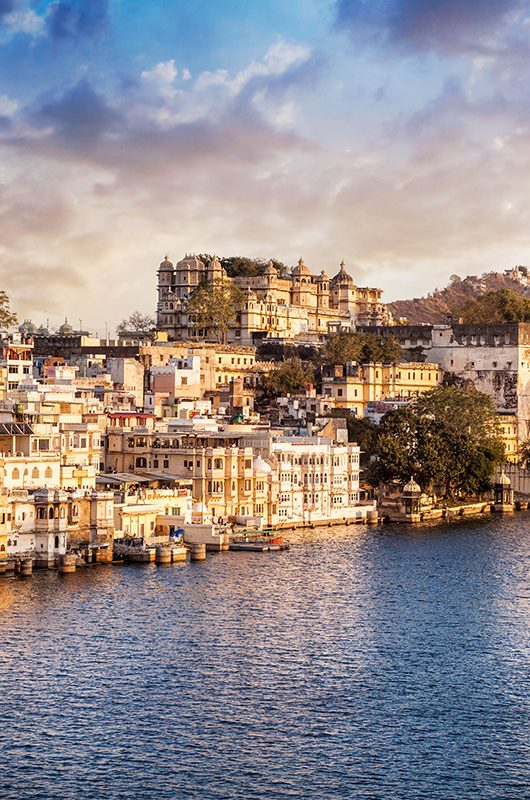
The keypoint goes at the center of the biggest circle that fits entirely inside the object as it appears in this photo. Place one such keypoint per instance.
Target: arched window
(2, 548)
(42, 513)
(62, 513)
(56, 542)
(48, 473)
(35, 473)
(15, 475)
(50, 512)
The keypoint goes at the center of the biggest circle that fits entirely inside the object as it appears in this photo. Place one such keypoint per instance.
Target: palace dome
(166, 264)
(342, 276)
(301, 270)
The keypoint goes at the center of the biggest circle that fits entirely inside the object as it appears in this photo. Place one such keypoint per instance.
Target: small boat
(257, 542)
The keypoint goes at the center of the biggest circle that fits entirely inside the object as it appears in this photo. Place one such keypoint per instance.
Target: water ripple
(364, 663)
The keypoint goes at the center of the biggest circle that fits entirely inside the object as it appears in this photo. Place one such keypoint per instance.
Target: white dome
(260, 465)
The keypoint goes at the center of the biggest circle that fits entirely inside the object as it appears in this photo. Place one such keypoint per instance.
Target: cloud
(75, 19)
(78, 119)
(7, 106)
(6, 7)
(444, 26)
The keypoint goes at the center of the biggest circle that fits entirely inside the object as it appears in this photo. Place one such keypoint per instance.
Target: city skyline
(387, 134)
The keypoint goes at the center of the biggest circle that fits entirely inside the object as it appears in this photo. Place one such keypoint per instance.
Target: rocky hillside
(439, 304)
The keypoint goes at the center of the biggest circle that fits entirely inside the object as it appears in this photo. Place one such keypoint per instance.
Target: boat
(257, 542)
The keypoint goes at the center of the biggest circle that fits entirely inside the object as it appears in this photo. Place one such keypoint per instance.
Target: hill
(443, 302)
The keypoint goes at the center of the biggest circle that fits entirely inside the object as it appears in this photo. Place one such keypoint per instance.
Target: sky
(391, 133)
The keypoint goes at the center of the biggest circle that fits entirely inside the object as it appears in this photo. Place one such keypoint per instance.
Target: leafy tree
(364, 432)
(363, 348)
(7, 317)
(137, 323)
(241, 266)
(504, 305)
(448, 439)
(214, 306)
(289, 377)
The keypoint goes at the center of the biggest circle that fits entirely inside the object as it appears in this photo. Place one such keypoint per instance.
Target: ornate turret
(166, 265)
(342, 277)
(301, 270)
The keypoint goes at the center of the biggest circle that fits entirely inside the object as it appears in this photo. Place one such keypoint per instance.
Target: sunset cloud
(409, 158)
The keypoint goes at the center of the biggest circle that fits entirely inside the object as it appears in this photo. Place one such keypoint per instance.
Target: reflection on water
(386, 663)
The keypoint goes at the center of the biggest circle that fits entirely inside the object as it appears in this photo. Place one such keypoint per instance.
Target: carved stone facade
(302, 305)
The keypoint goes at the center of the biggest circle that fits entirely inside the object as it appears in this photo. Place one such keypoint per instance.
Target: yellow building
(301, 303)
(353, 386)
(507, 429)
(225, 475)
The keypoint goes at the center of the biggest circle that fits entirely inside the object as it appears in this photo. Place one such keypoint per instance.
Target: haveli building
(302, 304)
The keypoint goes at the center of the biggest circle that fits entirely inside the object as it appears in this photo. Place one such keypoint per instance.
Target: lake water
(386, 663)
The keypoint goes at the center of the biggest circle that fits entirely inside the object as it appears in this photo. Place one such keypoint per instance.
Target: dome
(166, 264)
(270, 270)
(190, 261)
(27, 327)
(301, 269)
(260, 465)
(42, 331)
(66, 329)
(342, 276)
(323, 277)
(503, 480)
(411, 487)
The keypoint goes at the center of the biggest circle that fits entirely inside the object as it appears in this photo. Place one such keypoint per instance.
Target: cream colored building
(222, 470)
(353, 386)
(302, 304)
(318, 480)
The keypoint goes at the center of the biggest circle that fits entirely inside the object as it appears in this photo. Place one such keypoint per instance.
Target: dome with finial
(166, 264)
(503, 480)
(42, 330)
(323, 277)
(270, 270)
(342, 276)
(66, 329)
(411, 487)
(190, 262)
(301, 270)
(27, 328)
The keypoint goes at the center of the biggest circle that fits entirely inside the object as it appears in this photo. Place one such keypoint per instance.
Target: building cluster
(138, 437)
(300, 303)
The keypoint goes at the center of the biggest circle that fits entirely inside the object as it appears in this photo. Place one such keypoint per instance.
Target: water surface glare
(378, 663)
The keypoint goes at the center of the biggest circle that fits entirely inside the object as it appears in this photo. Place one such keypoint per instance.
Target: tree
(137, 323)
(289, 377)
(241, 266)
(504, 305)
(7, 317)
(364, 348)
(213, 306)
(448, 439)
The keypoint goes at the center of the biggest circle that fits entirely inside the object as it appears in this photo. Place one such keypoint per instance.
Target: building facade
(300, 305)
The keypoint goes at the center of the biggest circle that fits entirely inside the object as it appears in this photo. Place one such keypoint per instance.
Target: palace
(301, 305)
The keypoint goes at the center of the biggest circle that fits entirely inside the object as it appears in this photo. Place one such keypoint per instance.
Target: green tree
(241, 266)
(448, 439)
(214, 306)
(7, 317)
(363, 348)
(502, 306)
(290, 377)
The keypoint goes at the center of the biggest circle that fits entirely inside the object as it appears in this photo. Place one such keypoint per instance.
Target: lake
(365, 662)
